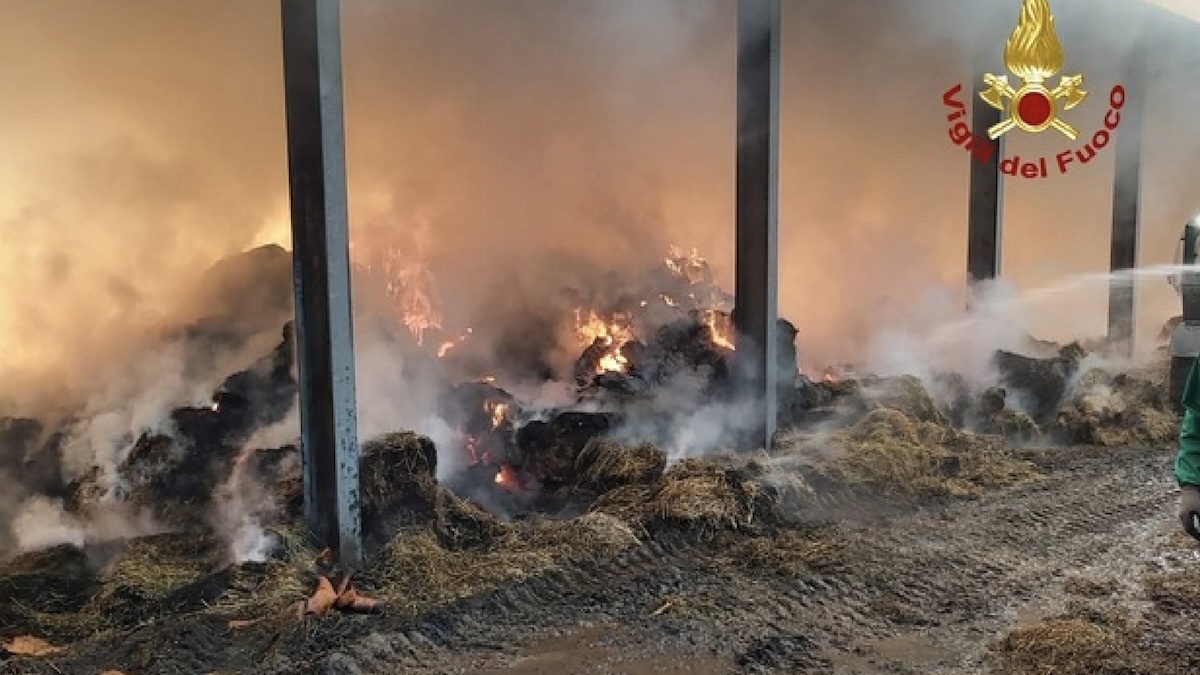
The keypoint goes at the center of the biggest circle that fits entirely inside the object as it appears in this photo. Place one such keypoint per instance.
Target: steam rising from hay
(894, 453)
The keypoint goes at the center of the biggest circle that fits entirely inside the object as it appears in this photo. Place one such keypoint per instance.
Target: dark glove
(1189, 510)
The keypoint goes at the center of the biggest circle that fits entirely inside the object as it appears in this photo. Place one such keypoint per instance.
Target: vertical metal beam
(1127, 191)
(985, 215)
(321, 268)
(756, 286)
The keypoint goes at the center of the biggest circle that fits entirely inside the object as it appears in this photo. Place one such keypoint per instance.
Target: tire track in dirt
(941, 580)
(961, 573)
(991, 561)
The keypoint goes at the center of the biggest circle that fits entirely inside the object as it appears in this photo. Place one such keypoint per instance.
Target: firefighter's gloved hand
(1189, 510)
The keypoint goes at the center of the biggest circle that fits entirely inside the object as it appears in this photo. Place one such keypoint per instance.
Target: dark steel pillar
(755, 309)
(321, 266)
(1127, 190)
(985, 213)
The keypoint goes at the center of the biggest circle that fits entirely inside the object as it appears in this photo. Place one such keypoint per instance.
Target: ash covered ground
(570, 501)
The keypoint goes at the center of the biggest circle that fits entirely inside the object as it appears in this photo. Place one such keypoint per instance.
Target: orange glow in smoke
(407, 284)
(506, 479)
(449, 345)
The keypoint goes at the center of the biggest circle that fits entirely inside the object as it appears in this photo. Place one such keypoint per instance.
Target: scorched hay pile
(540, 485)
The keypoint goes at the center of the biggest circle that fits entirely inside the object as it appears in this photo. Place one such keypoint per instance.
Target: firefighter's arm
(1187, 457)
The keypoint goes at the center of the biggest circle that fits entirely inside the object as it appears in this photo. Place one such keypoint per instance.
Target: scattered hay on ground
(1081, 642)
(253, 590)
(603, 465)
(793, 553)
(153, 575)
(705, 496)
(897, 454)
(415, 572)
(628, 503)
(1091, 587)
(1175, 590)
(53, 580)
(905, 393)
(1012, 425)
(1117, 409)
(27, 645)
(589, 535)
(695, 491)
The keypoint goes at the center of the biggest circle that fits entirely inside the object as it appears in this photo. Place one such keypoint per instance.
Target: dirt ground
(1081, 571)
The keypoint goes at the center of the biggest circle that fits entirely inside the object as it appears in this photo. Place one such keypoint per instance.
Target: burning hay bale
(603, 465)
(896, 454)
(1112, 410)
(550, 451)
(622, 360)
(484, 414)
(1081, 642)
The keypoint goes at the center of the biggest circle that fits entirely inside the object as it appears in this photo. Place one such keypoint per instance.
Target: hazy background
(144, 139)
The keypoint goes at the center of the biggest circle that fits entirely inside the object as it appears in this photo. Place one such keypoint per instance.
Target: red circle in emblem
(1034, 108)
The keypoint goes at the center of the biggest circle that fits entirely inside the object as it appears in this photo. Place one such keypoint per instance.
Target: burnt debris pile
(647, 371)
(641, 439)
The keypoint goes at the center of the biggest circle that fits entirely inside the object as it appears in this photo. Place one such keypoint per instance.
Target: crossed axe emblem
(1043, 104)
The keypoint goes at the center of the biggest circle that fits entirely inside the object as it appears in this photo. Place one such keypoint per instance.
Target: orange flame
(721, 327)
(447, 346)
(497, 411)
(613, 333)
(399, 269)
(507, 479)
(690, 266)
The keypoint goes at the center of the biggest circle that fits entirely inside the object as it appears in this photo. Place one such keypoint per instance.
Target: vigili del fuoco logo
(1034, 55)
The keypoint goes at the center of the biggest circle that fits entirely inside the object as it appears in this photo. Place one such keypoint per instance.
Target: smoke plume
(541, 147)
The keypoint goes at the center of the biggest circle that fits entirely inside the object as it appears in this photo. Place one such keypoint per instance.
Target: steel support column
(1127, 190)
(985, 213)
(756, 283)
(321, 268)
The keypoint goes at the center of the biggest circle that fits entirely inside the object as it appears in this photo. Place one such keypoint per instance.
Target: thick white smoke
(532, 135)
